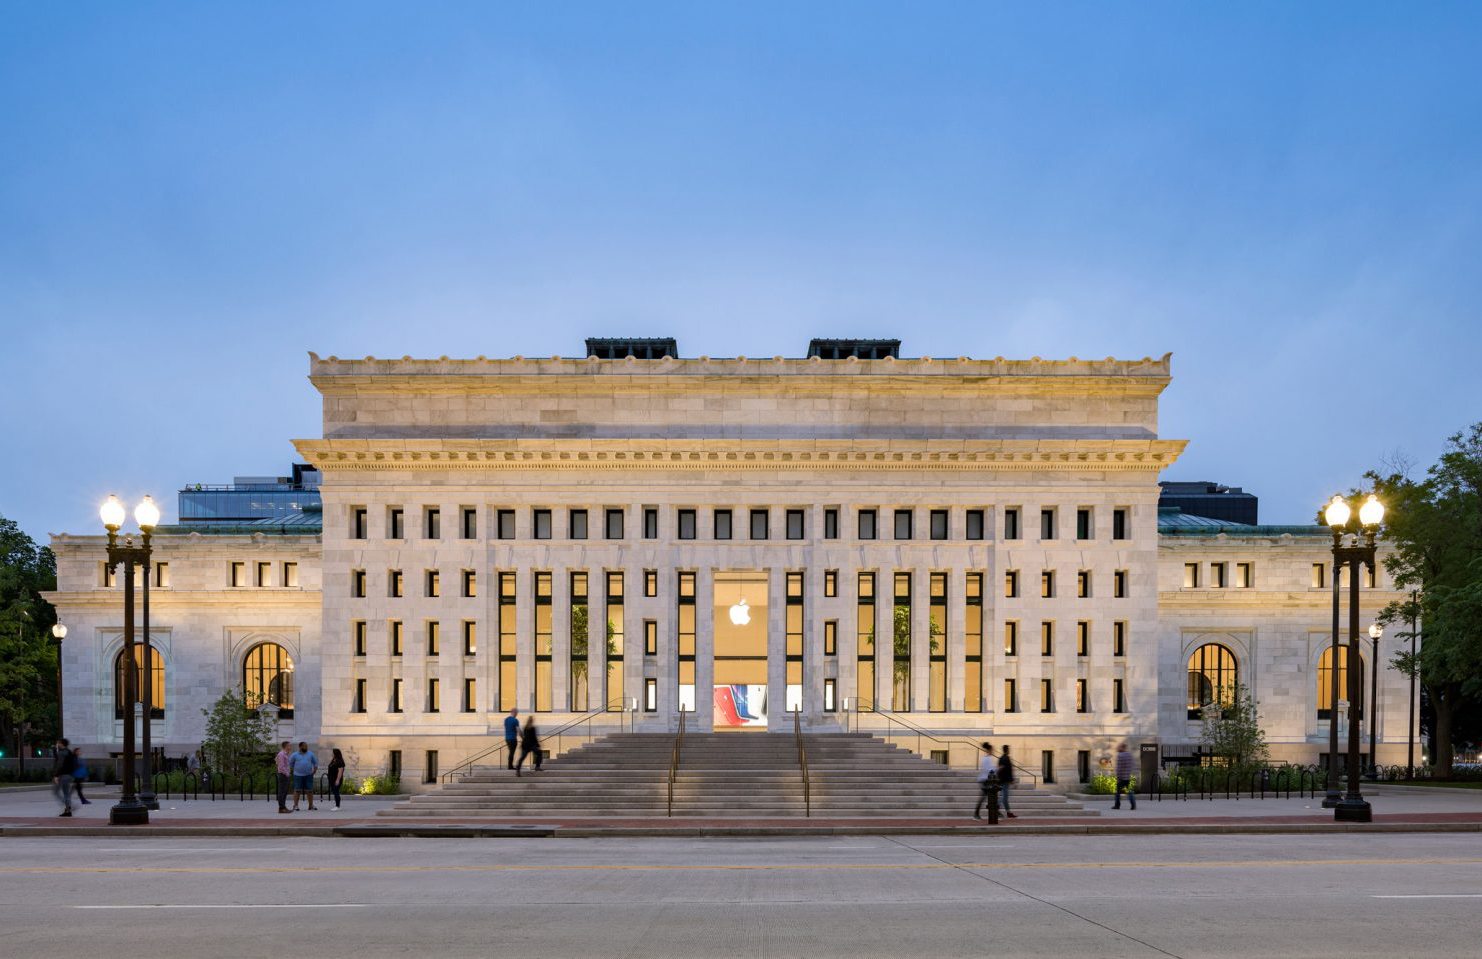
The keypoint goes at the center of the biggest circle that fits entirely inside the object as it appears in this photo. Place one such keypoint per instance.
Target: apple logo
(741, 613)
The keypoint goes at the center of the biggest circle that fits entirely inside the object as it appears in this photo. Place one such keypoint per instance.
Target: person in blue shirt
(302, 766)
(512, 734)
(79, 777)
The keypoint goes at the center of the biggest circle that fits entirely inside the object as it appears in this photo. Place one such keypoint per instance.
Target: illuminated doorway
(740, 617)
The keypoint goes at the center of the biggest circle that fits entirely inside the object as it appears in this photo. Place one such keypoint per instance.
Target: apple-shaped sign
(741, 613)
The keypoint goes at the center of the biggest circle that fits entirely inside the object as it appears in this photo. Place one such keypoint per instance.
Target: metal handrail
(891, 716)
(797, 730)
(674, 761)
(587, 717)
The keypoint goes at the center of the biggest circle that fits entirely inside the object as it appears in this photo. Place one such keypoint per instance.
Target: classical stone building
(973, 547)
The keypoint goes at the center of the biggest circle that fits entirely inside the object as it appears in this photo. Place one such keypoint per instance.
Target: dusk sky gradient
(192, 196)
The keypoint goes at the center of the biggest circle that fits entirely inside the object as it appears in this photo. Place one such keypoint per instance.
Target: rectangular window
(685, 660)
(864, 632)
(396, 695)
(1083, 584)
(394, 767)
(504, 523)
(236, 574)
(580, 630)
(831, 583)
(1319, 575)
(794, 524)
(830, 637)
(162, 575)
(613, 524)
(470, 638)
(650, 695)
(973, 639)
(540, 521)
(650, 637)
(1011, 638)
(109, 577)
(1047, 638)
(758, 524)
(434, 638)
(507, 641)
(1047, 523)
(1119, 584)
(1119, 523)
(1191, 576)
(830, 695)
(614, 690)
(1083, 527)
(651, 523)
(358, 706)
(429, 770)
(1119, 702)
(975, 524)
(469, 521)
(544, 641)
(290, 576)
(903, 524)
(432, 523)
(396, 523)
(686, 524)
(1083, 764)
(1047, 584)
(901, 643)
(264, 576)
(1245, 576)
(359, 522)
(576, 524)
(722, 523)
(470, 695)
(938, 522)
(867, 524)
(1083, 638)
(434, 696)
(1011, 523)
(1047, 765)
(1217, 575)
(1010, 695)
(357, 583)
(394, 584)
(1047, 695)
(396, 637)
(936, 645)
(434, 583)
(831, 523)
(1119, 638)
(793, 643)
(1082, 698)
(1011, 584)
(357, 633)
(650, 583)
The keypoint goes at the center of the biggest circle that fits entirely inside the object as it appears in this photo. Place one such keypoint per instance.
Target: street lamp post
(128, 811)
(1353, 807)
(1375, 631)
(1410, 743)
(148, 516)
(1335, 795)
(59, 632)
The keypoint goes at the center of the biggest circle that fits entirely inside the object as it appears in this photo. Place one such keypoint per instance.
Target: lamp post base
(1353, 810)
(132, 813)
(148, 800)
(1332, 799)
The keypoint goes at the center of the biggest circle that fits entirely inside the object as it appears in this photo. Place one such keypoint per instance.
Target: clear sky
(1288, 196)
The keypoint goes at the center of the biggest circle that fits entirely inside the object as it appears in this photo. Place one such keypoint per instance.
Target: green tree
(1435, 528)
(901, 645)
(236, 737)
(580, 617)
(28, 658)
(1232, 732)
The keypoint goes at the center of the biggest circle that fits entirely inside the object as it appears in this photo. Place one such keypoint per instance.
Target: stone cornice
(655, 454)
(1246, 600)
(165, 599)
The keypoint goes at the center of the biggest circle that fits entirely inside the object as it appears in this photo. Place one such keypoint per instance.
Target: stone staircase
(726, 776)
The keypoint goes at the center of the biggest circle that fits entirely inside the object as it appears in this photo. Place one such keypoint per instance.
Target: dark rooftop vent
(618, 348)
(859, 349)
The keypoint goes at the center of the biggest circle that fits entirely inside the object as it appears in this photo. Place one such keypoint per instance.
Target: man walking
(282, 764)
(1124, 769)
(512, 734)
(987, 780)
(63, 771)
(303, 765)
(1005, 780)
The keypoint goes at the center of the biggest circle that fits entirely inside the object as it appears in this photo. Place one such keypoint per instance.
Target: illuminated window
(267, 677)
(1213, 677)
(156, 682)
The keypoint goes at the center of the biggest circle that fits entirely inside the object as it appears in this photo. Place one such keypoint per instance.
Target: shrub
(375, 786)
(1104, 785)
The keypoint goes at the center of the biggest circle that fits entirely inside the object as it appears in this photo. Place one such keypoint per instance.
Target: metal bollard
(993, 804)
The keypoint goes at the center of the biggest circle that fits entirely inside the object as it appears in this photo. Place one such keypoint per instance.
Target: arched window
(1325, 682)
(157, 677)
(267, 677)
(1213, 676)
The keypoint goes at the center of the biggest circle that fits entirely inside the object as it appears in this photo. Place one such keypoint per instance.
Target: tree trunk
(1442, 700)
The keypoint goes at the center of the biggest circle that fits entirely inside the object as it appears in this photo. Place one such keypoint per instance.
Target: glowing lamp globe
(1372, 512)
(146, 514)
(1337, 513)
(112, 512)
(59, 631)
(1375, 631)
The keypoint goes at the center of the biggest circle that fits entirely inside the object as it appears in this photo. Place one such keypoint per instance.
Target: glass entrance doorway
(740, 618)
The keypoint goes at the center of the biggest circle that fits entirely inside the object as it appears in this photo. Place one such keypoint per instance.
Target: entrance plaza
(937, 551)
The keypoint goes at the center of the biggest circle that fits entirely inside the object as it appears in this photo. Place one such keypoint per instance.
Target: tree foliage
(236, 737)
(28, 656)
(1232, 732)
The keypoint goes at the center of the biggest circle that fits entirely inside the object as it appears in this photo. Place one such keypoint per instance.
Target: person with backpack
(79, 776)
(1005, 781)
(987, 784)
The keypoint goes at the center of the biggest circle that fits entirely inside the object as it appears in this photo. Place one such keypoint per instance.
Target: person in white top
(987, 783)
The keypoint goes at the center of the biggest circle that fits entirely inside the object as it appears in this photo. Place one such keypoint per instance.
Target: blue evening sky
(1285, 195)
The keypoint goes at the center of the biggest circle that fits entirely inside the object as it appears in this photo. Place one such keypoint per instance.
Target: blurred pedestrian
(281, 762)
(303, 765)
(987, 780)
(1006, 780)
(79, 776)
(63, 771)
(336, 776)
(529, 743)
(1124, 769)
(512, 734)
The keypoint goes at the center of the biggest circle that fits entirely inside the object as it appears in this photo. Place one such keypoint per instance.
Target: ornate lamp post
(1410, 744)
(1375, 631)
(129, 811)
(59, 632)
(147, 515)
(1352, 807)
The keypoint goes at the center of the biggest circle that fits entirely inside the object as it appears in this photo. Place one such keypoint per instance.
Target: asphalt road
(1290, 896)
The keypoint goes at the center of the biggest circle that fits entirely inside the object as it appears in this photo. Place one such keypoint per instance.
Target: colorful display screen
(741, 705)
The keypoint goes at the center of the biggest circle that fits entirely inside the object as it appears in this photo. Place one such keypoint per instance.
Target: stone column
(636, 609)
(884, 636)
(813, 638)
(777, 717)
(921, 639)
(525, 638)
(561, 639)
(666, 663)
(597, 697)
(704, 717)
(957, 639)
(848, 637)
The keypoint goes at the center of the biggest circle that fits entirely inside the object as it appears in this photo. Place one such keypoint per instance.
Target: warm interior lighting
(146, 514)
(112, 513)
(1372, 511)
(1337, 512)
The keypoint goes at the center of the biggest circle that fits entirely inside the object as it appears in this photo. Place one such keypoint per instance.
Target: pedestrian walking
(987, 783)
(512, 734)
(303, 765)
(336, 776)
(1124, 769)
(79, 776)
(1006, 781)
(193, 763)
(529, 743)
(63, 771)
(281, 761)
